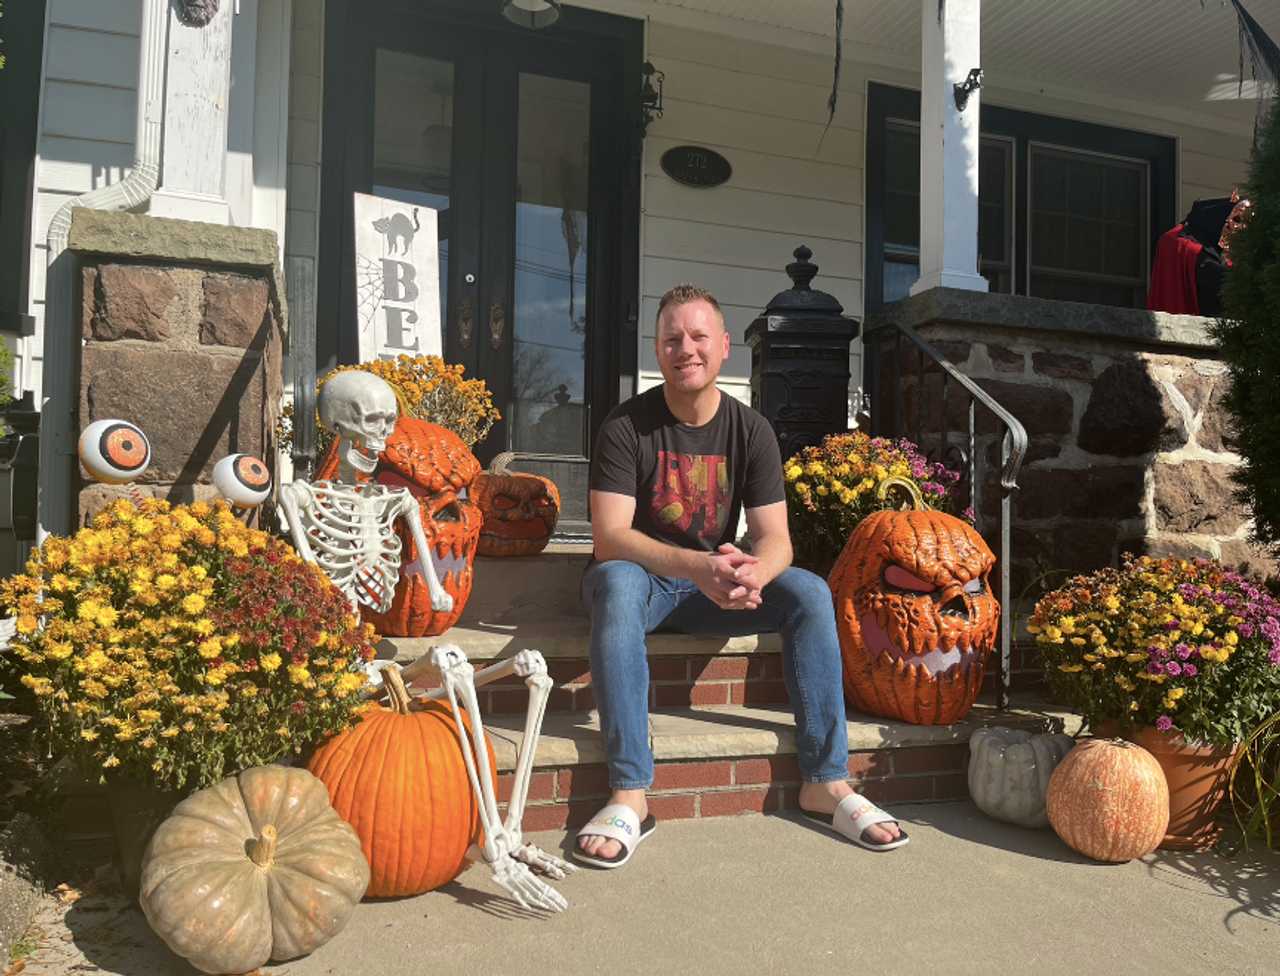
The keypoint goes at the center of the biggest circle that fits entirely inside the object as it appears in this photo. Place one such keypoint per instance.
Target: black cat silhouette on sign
(397, 278)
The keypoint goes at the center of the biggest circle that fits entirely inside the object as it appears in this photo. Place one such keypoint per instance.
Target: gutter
(61, 394)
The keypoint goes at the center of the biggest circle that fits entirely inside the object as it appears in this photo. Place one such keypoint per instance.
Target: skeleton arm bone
(440, 600)
(294, 498)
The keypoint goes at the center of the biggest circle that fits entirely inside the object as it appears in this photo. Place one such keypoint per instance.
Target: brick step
(724, 760)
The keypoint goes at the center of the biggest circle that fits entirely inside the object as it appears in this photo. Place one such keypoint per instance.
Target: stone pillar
(950, 38)
(183, 326)
(196, 102)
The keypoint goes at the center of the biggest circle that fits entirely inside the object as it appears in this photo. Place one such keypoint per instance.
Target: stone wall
(1129, 440)
(183, 326)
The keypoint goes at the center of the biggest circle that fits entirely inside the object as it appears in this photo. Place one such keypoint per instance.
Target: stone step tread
(563, 639)
(722, 731)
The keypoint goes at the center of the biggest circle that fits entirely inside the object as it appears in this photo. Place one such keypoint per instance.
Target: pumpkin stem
(397, 693)
(262, 851)
(906, 485)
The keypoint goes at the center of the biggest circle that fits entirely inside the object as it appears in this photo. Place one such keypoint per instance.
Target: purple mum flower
(1173, 668)
(1155, 667)
(1184, 650)
(1164, 723)
(1189, 670)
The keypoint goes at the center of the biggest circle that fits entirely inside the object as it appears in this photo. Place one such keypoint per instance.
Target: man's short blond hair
(683, 295)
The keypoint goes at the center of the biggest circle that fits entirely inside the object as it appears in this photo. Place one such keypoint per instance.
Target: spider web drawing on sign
(369, 290)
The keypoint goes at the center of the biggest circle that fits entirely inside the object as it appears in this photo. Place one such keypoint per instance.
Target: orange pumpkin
(398, 777)
(438, 469)
(915, 613)
(520, 512)
(1108, 799)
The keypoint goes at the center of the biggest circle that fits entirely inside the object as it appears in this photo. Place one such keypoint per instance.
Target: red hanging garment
(1173, 276)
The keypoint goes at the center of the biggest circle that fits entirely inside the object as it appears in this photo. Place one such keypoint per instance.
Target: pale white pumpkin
(1009, 772)
(256, 867)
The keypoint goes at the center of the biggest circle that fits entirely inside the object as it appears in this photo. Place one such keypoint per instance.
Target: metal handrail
(1013, 449)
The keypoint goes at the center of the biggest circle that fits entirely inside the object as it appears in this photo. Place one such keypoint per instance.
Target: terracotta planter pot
(1197, 778)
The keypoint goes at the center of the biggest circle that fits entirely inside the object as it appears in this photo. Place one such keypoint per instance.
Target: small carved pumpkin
(438, 469)
(256, 867)
(915, 613)
(1009, 771)
(520, 512)
(399, 778)
(1109, 800)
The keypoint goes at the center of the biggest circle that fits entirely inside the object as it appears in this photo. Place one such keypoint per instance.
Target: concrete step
(722, 760)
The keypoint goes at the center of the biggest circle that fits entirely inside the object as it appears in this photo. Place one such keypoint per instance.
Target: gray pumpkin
(1009, 772)
(256, 867)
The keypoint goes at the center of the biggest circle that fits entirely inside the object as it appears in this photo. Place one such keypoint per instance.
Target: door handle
(466, 323)
(497, 325)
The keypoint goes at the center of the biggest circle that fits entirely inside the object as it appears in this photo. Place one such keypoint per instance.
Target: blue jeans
(626, 602)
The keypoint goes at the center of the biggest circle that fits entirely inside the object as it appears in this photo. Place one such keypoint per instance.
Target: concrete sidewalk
(759, 894)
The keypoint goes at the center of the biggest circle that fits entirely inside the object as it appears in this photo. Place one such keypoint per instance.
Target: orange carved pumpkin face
(438, 469)
(915, 614)
(520, 512)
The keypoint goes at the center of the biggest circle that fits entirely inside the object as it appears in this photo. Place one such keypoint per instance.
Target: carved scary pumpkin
(436, 467)
(520, 512)
(915, 613)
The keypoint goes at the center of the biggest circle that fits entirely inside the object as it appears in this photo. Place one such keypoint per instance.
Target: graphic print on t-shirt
(690, 494)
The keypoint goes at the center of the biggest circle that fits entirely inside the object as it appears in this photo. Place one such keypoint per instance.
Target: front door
(520, 141)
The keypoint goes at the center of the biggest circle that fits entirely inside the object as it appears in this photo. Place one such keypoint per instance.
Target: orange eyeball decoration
(115, 452)
(915, 613)
(243, 480)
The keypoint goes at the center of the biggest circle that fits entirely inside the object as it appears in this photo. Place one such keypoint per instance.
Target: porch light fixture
(534, 14)
(967, 87)
(650, 96)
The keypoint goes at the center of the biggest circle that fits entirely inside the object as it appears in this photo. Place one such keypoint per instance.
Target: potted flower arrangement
(833, 486)
(427, 388)
(168, 647)
(1182, 657)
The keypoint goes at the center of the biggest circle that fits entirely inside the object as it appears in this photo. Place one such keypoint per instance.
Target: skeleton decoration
(512, 860)
(436, 467)
(348, 527)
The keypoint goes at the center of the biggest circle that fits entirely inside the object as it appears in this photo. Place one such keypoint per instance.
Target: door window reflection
(547, 409)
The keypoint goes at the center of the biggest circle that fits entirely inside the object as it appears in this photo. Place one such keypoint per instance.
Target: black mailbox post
(800, 360)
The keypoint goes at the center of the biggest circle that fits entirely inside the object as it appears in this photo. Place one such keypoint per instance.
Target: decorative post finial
(196, 13)
(802, 270)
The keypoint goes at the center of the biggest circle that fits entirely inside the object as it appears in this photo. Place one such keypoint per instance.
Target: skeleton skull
(361, 409)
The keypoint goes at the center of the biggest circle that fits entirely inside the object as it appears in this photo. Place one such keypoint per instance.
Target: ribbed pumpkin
(914, 612)
(520, 512)
(436, 467)
(1009, 772)
(1108, 799)
(398, 777)
(256, 867)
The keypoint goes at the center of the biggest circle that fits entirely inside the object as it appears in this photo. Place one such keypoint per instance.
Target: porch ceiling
(1178, 53)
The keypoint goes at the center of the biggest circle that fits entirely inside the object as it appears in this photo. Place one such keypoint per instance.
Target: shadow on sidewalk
(1248, 878)
(965, 821)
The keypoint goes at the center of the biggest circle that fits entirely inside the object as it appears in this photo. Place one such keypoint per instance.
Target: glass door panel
(413, 140)
(547, 405)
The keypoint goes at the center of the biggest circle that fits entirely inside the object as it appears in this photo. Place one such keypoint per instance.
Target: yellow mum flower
(27, 624)
(349, 683)
(1070, 668)
(299, 674)
(269, 662)
(193, 603)
(110, 762)
(793, 472)
(88, 735)
(210, 648)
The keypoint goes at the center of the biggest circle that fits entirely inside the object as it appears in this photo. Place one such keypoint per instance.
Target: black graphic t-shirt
(689, 483)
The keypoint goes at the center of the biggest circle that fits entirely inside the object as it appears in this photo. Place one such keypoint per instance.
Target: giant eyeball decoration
(243, 480)
(114, 451)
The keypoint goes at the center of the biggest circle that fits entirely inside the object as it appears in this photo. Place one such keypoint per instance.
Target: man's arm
(614, 538)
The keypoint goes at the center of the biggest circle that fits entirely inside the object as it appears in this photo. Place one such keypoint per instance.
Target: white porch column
(197, 93)
(950, 31)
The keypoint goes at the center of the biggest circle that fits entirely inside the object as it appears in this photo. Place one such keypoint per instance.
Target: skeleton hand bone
(529, 891)
(544, 863)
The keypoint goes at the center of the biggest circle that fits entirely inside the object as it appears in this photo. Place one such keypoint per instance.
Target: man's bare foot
(606, 847)
(825, 797)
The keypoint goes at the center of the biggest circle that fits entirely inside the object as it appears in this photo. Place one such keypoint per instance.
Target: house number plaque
(696, 166)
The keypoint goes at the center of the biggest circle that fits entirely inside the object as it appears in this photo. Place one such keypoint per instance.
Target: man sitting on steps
(672, 469)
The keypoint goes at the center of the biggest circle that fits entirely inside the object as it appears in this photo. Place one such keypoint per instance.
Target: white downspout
(61, 340)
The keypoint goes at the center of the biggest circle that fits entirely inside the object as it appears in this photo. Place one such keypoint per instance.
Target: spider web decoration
(369, 290)
(1264, 62)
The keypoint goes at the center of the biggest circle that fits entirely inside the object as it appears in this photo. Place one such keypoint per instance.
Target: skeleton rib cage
(350, 529)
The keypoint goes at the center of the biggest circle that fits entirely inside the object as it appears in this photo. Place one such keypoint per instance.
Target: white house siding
(88, 101)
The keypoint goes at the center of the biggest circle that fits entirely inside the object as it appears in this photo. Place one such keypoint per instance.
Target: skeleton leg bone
(458, 677)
